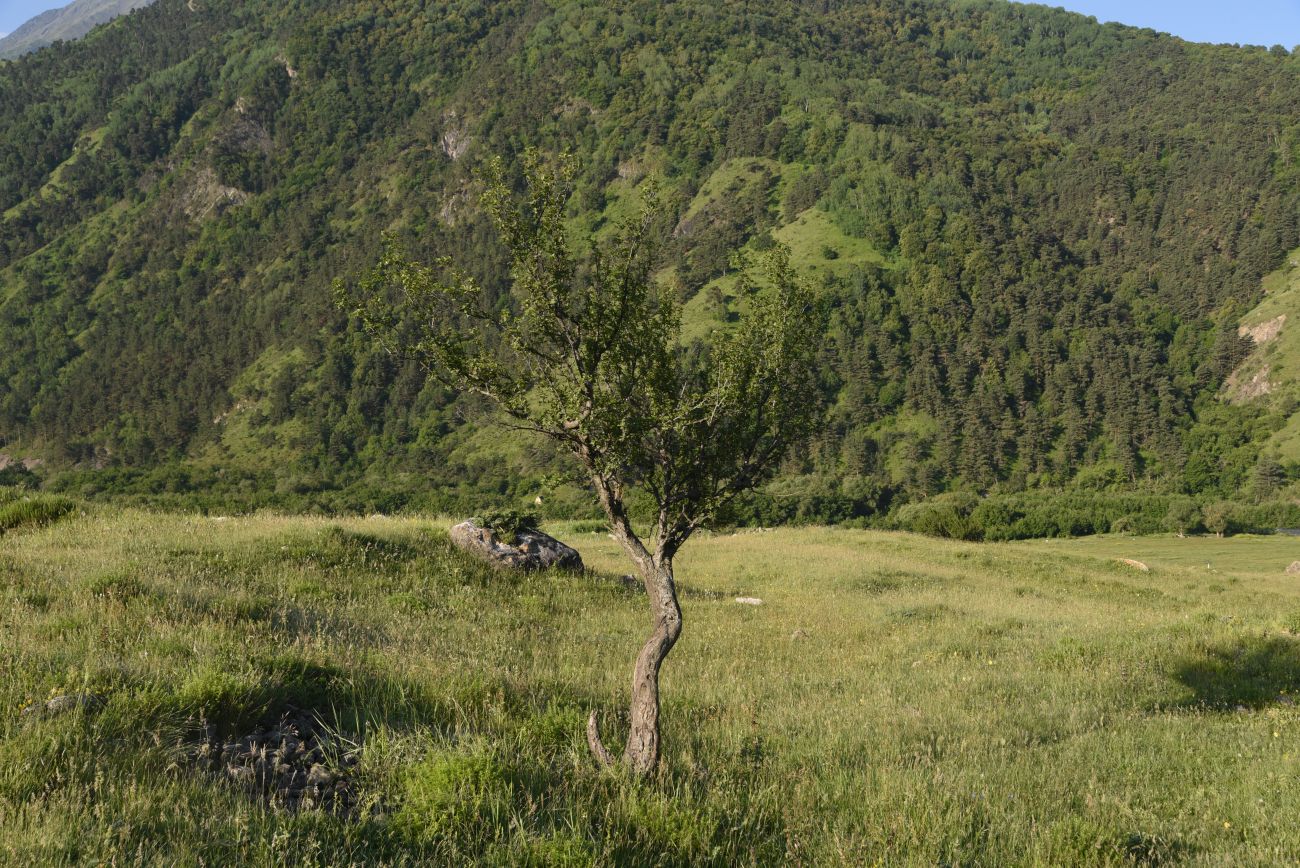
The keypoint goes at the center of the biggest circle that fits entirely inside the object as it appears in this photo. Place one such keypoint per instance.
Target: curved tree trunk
(641, 755)
(642, 752)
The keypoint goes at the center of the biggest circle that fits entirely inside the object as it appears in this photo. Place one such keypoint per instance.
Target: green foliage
(506, 522)
(589, 354)
(947, 515)
(1183, 515)
(32, 512)
(178, 192)
(1219, 517)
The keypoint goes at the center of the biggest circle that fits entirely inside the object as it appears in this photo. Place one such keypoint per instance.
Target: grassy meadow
(896, 700)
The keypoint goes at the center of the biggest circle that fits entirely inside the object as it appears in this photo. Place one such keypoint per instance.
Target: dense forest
(1037, 235)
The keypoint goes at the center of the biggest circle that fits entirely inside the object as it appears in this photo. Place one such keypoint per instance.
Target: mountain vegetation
(69, 22)
(1036, 234)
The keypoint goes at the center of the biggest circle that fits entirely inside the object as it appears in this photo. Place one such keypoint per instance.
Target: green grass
(812, 234)
(1254, 558)
(739, 172)
(896, 700)
(19, 512)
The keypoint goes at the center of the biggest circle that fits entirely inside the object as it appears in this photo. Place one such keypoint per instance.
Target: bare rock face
(530, 550)
(1265, 331)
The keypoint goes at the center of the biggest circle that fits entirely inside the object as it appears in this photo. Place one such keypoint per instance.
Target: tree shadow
(1250, 673)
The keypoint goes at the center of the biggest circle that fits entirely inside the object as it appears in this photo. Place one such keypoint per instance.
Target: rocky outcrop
(1263, 332)
(1243, 385)
(455, 139)
(7, 461)
(530, 550)
(204, 195)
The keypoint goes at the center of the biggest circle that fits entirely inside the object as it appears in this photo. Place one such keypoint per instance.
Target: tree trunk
(642, 752)
(641, 756)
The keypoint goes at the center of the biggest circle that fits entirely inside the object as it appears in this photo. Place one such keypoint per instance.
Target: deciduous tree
(589, 354)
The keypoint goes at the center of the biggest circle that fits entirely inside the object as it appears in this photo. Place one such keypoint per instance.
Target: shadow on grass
(1251, 673)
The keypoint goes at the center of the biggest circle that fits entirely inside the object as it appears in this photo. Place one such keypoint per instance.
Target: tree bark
(641, 755)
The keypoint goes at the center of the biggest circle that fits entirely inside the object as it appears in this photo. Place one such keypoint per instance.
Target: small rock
(63, 704)
(797, 635)
(1294, 569)
(319, 776)
(240, 774)
(749, 601)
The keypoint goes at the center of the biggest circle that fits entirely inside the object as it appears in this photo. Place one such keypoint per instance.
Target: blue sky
(1253, 22)
(15, 12)
(1259, 22)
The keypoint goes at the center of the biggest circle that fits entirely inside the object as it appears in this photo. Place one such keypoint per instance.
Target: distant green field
(1261, 559)
(895, 700)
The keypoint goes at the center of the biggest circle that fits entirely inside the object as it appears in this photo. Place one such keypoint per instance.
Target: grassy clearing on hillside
(896, 700)
(820, 247)
(1276, 358)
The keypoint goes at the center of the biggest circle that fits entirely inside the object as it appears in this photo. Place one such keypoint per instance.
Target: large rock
(530, 550)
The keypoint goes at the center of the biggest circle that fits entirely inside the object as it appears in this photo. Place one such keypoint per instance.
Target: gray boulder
(529, 550)
(63, 704)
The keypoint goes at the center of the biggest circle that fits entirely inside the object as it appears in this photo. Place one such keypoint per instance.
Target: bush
(33, 512)
(946, 515)
(507, 522)
(1183, 516)
(1219, 518)
(19, 476)
(1267, 517)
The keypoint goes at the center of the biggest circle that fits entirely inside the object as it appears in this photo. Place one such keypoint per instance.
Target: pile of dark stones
(293, 764)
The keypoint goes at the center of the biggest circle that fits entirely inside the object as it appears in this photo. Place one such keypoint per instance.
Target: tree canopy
(586, 350)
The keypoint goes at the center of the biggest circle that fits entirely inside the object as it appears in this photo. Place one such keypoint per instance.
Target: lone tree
(589, 355)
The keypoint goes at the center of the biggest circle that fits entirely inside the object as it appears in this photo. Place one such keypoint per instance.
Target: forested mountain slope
(1269, 378)
(1039, 233)
(68, 22)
